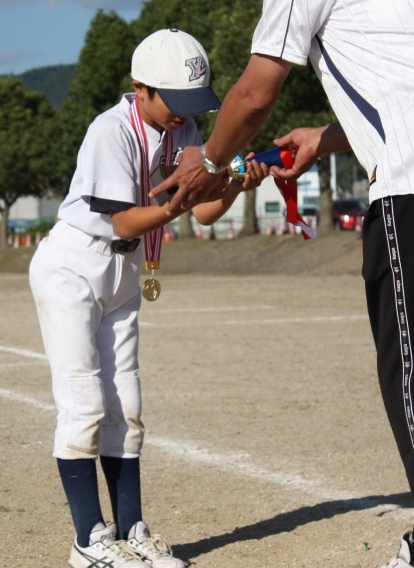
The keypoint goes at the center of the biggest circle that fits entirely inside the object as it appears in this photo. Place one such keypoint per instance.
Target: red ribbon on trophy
(283, 157)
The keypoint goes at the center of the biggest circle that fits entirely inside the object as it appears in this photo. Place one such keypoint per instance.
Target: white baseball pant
(87, 298)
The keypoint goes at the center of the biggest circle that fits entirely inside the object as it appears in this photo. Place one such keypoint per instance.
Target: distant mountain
(53, 81)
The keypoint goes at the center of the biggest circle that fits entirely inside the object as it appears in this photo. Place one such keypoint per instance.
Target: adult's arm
(240, 118)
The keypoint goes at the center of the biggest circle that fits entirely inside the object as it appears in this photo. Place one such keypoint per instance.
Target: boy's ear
(138, 87)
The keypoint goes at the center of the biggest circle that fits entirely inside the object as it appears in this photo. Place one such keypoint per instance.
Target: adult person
(363, 53)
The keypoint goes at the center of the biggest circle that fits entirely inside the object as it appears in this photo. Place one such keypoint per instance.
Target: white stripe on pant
(388, 270)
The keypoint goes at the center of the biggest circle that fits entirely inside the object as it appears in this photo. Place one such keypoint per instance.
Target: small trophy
(283, 157)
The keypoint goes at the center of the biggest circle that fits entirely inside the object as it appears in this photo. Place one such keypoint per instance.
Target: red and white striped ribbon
(289, 190)
(153, 239)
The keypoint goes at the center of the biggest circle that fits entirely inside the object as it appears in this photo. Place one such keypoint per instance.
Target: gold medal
(151, 289)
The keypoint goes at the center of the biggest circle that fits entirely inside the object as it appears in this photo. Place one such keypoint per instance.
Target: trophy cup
(283, 157)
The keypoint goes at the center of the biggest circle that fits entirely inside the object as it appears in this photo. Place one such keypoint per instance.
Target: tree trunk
(326, 206)
(59, 200)
(250, 223)
(3, 226)
(186, 228)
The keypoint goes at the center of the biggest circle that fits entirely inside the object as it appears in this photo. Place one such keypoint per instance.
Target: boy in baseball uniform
(85, 281)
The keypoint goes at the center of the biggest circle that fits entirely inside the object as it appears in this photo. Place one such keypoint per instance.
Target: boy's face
(154, 112)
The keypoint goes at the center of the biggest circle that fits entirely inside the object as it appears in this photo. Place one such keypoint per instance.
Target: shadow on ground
(286, 522)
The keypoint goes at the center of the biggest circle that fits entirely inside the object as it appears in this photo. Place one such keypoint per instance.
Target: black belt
(122, 245)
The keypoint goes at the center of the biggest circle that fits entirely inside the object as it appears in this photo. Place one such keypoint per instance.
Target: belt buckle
(122, 245)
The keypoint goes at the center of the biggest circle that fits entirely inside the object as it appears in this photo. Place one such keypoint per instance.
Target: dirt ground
(334, 253)
(266, 439)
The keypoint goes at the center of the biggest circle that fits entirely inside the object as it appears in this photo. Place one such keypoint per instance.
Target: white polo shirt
(363, 53)
(108, 166)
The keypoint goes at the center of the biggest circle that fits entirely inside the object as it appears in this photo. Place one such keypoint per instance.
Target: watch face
(210, 168)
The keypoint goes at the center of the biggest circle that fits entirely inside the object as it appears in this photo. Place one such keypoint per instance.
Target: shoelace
(159, 540)
(126, 550)
(120, 549)
(155, 544)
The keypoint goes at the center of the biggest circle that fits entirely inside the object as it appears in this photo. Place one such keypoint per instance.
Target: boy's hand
(256, 173)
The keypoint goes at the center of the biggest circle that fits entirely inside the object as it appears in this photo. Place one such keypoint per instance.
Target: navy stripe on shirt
(370, 113)
(98, 205)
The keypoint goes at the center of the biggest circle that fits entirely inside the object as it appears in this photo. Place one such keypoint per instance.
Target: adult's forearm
(234, 129)
(246, 107)
(333, 139)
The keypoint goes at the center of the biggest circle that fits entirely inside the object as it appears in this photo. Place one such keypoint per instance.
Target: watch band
(208, 164)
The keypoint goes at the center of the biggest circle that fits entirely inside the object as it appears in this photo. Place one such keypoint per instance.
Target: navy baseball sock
(123, 480)
(81, 487)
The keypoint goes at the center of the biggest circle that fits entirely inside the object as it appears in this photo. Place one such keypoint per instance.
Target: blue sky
(36, 33)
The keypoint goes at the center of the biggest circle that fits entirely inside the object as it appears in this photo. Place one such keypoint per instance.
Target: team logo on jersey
(373, 177)
(198, 67)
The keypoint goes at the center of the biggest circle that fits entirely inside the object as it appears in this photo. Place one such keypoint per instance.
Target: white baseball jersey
(363, 53)
(109, 164)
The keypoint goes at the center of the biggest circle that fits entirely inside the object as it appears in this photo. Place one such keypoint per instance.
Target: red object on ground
(230, 232)
(271, 230)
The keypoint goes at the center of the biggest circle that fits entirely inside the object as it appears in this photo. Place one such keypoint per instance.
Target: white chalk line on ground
(23, 352)
(209, 310)
(321, 319)
(12, 395)
(22, 364)
(238, 463)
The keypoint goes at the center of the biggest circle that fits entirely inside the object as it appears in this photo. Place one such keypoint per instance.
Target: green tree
(200, 19)
(27, 129)
(229, 56)
(302, 101)
(348, 170)
(103, 63)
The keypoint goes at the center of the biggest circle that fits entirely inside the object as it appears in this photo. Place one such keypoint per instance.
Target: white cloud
(11, 56)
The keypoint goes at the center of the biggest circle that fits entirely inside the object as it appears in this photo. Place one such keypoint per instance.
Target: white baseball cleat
(153, 549)
(103, 552)
(403, 558)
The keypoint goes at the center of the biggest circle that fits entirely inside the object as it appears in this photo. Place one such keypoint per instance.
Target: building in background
(270, 208)
(26, 210)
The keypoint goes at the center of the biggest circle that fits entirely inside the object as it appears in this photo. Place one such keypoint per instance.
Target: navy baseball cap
(176, 64)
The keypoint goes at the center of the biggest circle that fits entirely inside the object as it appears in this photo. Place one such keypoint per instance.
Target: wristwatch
(208, 164)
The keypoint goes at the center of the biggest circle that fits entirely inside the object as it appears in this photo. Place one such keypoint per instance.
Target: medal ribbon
(289, 191)
(153, 239)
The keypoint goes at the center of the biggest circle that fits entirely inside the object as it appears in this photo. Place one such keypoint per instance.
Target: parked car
(309, 213)
(348, 214)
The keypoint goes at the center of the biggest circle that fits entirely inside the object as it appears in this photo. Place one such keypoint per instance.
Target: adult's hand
(196, 184)
(311, 143)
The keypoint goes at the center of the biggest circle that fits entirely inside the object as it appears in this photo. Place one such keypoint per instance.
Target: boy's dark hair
(151, 91)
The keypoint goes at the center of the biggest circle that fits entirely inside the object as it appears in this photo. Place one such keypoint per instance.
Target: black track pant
(388, 271)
